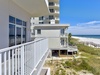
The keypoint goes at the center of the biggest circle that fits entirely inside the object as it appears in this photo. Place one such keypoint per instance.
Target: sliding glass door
(18, 35)
(11, 35)
(17, 31)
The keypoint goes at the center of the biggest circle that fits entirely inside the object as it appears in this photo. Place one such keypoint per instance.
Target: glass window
(41, 18)
(38, 31)
(18, 35)
(62, 41)
(11, 35)
(18, 21)
(51, 17)
(11, 19)
(24, 35)
(49, 22)
(24, 23)
(51, 3)
(41, 22)
(51, 10)
(62, 31)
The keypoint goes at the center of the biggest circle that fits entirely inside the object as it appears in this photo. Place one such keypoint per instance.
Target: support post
(0, 64)
(59, 53)
(22, 60)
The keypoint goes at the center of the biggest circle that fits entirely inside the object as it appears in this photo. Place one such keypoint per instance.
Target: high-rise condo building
(53, 17)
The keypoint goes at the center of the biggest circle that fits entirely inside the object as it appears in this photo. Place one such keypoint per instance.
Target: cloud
(92, 27)
(90, 23)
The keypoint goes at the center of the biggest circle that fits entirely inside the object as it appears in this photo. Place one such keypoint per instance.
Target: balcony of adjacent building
(54, 12)
(53, 5)
(57, 18)
(57, 12)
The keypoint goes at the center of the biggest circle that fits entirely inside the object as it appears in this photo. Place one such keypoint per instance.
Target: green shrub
(68, 63)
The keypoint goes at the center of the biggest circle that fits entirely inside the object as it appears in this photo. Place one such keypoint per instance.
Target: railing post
(22, 60)
(0, 64)
(9, 63)
(5, 63)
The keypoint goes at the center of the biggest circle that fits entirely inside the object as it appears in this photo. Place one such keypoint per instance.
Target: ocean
(88, 36)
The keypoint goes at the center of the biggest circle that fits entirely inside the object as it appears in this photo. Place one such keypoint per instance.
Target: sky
(82, 15)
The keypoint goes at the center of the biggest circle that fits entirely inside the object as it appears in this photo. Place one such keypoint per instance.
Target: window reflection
(11, 35)
(24, 35)
(18, 35)
(18, 21)
(24, 23)
(11, 19)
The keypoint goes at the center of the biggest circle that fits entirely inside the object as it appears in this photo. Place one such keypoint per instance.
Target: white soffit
(34, 7)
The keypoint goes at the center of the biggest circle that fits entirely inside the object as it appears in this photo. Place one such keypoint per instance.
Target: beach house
(57, 35)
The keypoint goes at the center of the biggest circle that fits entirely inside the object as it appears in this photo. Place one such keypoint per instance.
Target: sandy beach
(89, 41)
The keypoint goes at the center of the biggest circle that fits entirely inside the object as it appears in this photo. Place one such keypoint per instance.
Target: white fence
(24, 59)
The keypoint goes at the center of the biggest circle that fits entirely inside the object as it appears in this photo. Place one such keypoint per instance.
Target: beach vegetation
(69, 37)
(92, 60)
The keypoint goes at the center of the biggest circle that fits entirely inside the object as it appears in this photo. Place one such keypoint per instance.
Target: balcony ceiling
(34, 7)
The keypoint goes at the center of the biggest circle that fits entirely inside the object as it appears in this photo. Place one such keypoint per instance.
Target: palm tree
(69, 37)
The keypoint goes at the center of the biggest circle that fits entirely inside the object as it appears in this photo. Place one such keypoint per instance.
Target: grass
(78, 65)
(92, 62)
(87, 49)
(60, 71)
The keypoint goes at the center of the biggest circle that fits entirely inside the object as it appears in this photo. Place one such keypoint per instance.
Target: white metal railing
(56, 4)
(56, 18)
(56, 11)
(24, 59)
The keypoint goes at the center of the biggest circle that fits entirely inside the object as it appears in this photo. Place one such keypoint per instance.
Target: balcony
(63, 36)
(57, 5)
(54, 5)
(24, 59)
(56, 18)
(57, 12)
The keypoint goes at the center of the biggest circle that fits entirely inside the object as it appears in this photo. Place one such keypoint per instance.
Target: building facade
(15, 20)
(53, 17)
(18, 54)
(57, 36)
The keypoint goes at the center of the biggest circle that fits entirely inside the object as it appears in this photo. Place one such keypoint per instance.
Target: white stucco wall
(54, 43)
(7, 7)
(53, 36)
(48, 33)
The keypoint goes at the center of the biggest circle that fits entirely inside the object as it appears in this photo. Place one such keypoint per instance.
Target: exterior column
(59, 53)
(64, 42)
(50, 53)
(67, 37)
